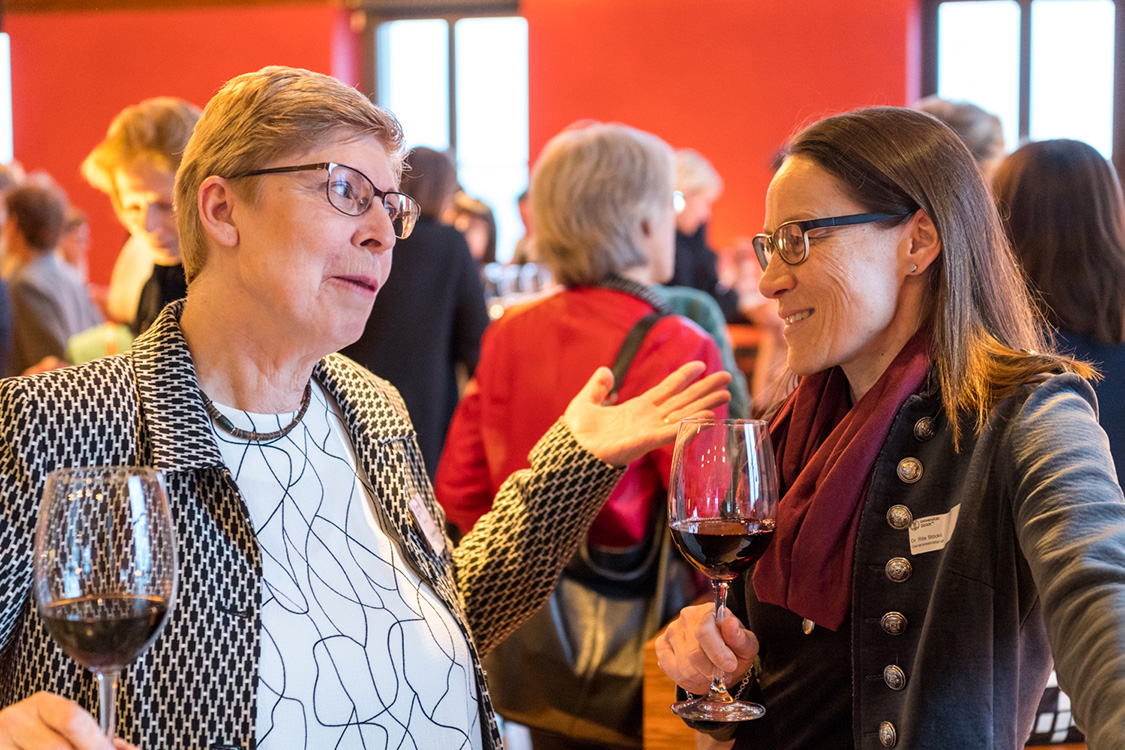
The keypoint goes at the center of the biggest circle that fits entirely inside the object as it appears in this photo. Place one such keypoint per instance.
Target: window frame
(930, 68)
(377, 12)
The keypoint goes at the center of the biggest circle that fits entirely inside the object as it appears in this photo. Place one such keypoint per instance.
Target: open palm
(622, 433)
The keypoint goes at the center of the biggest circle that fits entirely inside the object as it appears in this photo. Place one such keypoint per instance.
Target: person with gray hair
(981, 131)
(700, 186)
(602, 200)
(320, 602)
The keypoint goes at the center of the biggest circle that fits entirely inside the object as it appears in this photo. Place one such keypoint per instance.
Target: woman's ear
(216, 200)
(646, 228)
(924, 244)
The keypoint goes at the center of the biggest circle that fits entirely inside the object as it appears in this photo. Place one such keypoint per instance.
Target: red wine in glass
(722, 505)
(105, 568)
(105, 632)
(723, 548)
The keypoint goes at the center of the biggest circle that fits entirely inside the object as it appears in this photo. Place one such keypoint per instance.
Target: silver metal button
(894, 677)
(894, 623)
(899, 569)
(910, 470)
(887, 734)
(924, 429)
(899, 517)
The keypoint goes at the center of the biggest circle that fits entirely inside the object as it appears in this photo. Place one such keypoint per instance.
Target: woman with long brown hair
(950, 520)
(1061, 205)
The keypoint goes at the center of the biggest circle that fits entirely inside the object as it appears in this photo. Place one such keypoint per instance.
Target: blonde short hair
(590, 191)
(155, 131)
(259, 117)
(694, 174)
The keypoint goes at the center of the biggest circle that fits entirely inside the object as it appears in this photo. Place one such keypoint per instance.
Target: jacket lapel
(383, 438)
(176, 420)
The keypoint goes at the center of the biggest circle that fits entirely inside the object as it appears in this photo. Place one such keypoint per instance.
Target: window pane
(979, 58)
(492, 118)
(413, 74)
(1072, 71)
(6, 148)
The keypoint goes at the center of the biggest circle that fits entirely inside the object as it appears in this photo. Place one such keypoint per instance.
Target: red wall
(731, 78)
(72, 72)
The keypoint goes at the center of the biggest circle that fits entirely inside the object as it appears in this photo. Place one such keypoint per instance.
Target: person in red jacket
(602, 199)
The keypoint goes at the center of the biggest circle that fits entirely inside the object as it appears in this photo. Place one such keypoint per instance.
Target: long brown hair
(988, 338)
(1061, 206)
(430, 178)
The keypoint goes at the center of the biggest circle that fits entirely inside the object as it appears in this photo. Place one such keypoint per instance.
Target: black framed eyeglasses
(351, 192)
(791, 240)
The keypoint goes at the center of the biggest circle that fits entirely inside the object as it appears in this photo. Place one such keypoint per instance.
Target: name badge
(427, 524)
(932, 532)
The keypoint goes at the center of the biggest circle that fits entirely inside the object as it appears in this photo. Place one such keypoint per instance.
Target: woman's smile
(797, 317)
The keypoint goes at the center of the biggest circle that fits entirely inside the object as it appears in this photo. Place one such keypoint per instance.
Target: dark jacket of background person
(1062, 208)
(427, 320)
(49, 298)
(697, 267)
(5, 329)
(49, 305)
(167, 284)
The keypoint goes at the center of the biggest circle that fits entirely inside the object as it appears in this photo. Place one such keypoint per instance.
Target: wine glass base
(701, 709)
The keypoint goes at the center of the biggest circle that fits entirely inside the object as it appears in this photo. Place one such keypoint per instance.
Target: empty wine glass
(105, 568)
(722, 502)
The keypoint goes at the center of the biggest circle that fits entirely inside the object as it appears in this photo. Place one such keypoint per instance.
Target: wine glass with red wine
(722, 503)
(105, 568)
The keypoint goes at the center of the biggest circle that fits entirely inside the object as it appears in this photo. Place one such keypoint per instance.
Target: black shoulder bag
(577, 666)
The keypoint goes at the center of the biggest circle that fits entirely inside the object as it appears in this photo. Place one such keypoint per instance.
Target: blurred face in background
(696, 211)
(661, 244)
(144, 207)
(475, 230)
(74, 247)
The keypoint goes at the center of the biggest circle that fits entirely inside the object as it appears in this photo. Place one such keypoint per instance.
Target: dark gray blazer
(196, 686)
(951, 648)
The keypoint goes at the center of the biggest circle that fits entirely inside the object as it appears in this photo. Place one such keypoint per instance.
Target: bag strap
(621, 363)
(628, 351)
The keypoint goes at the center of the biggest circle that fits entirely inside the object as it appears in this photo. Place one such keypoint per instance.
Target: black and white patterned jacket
(196, 686)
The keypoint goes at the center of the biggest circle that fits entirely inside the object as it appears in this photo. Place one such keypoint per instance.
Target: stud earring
(913, 268)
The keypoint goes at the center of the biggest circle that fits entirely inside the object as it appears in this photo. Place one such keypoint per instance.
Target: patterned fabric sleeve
(17, 515)
(508, 564)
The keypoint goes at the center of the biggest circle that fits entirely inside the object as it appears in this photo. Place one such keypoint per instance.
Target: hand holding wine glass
(105, 568)
(722, 503)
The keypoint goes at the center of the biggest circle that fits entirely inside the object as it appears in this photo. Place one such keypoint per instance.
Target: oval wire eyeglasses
(351, 192)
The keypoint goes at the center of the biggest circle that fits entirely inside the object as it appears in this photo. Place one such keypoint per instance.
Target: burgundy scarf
(825, 452)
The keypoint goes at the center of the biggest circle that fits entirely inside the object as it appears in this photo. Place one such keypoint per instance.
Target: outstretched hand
(623, 433)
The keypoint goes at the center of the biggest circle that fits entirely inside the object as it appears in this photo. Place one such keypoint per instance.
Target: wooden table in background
(663, 730)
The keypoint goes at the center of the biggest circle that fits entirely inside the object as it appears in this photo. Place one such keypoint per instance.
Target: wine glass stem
(107, 692)
(718, 691)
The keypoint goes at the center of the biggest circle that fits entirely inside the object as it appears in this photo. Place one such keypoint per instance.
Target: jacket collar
(172, 408)
(177, 422)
